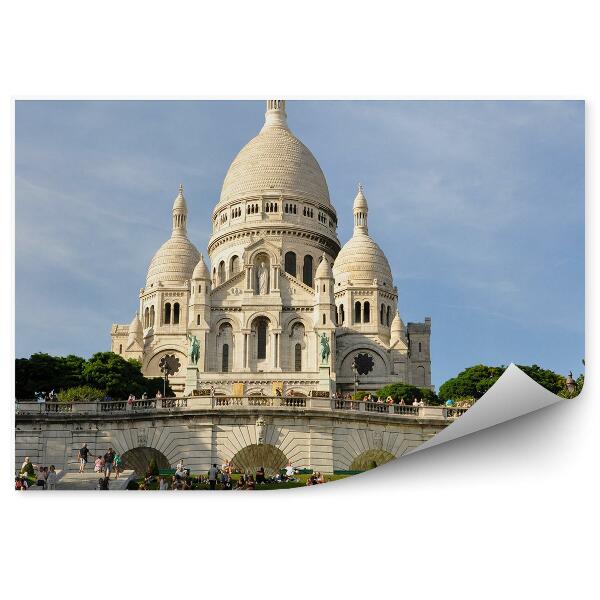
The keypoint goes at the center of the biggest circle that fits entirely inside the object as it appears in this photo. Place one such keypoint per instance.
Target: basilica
(277, 307)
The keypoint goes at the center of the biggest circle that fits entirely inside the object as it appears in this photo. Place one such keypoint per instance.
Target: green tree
(408, 392)
(82, 393)
(475, 381)
(549, 379)
(42, 372)
(112, 373)
(472, 382)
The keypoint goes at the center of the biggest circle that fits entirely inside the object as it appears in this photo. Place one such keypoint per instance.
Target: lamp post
(355, 374)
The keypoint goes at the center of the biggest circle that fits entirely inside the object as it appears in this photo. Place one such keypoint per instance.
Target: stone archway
(371, 459)
(138, 459)
(251, 457)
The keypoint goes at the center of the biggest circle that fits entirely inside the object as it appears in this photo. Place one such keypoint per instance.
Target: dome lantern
(179, 213)
(360, 208)
(275, 115)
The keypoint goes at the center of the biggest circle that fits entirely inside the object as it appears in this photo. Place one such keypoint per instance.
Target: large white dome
(275, 161)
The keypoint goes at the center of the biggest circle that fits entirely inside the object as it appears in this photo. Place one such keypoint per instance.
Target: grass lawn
(264, 486)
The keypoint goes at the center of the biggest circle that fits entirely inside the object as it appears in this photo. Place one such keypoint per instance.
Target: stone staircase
(89, 481)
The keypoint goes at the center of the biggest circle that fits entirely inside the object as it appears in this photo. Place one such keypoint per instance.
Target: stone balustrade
(212, 403)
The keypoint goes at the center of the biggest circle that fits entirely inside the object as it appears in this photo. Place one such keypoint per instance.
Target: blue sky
(479, 207)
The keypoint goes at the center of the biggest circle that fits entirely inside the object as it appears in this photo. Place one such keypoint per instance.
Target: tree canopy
(106, 372)
(475, 381)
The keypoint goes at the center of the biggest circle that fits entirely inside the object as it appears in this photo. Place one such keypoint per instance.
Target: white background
(507, 513)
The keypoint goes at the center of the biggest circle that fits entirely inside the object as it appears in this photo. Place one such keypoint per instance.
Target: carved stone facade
(277, 280)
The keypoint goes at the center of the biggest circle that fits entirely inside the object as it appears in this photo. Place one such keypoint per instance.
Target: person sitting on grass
(180, 471)
(319, 477)
(250, 484)
(260, 475)
(241, 483)
(162, 484)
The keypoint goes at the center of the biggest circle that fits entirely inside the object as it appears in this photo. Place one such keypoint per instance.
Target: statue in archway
(263, 279)
(325, 349)
(194, 350)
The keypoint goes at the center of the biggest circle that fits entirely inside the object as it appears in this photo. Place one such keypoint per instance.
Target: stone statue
(263, 279)
(325, 349)
(194, 351)
(260, 430)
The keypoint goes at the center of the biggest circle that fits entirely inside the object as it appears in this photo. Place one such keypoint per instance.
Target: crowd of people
(380, 400)
(222, 478)
(45, 477)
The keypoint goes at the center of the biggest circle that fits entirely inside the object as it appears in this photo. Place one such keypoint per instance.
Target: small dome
(174, 261)
(179, 202)
(135, 331)
(275, 161)
(324, 269)
(360, 201)
(360, 261)
(201, 270)
(397, 325)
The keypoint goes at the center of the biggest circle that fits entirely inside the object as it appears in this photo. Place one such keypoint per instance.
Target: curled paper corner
(513, 395)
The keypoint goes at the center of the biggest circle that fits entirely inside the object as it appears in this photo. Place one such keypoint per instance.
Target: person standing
(83, 456)
(109, 459)
(51, 479)
(118, 463)
(213, 472)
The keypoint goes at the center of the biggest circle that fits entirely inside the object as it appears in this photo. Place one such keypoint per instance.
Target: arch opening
(371, 459)
(252, 457)
(138, 459)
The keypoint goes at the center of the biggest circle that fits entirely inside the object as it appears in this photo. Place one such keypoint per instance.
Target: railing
(174, 403)
(143, 404)
(341, 404)
(452, 412)
(58, 407)
(112, 406)
(401, 409)
(379, 407)
(190, 403)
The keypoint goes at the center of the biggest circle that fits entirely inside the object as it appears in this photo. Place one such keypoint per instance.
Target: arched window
(147, 317)
(381, 314)
(419, 347)
(152, 316)
(420, 376)
(342, 317)
(366, 313)
(120, 348)
(307, 270)
(199, 288)
(290, 263)
(261, 339)
(167, 313)
(297, 358)
(176, 313)
(324, 318)
(234, 265)
(357, 312)
(225, 359)
(221, 272)
(387, 320)
(198, 320)
(214, 279)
